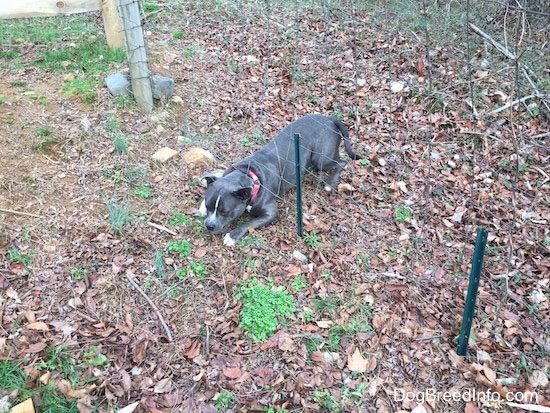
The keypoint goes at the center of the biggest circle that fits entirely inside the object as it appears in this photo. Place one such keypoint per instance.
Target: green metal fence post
(298, 185)
(471, 296)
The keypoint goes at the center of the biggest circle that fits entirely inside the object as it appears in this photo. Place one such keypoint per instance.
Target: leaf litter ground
(387, 256)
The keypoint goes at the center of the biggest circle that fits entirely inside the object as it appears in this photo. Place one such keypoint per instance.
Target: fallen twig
(153, 306)
(541, 135)
(496, 44)
(510, 55)
(513, 103)
(160, 227)
(538, 93)
(26, 214)
(530, 407)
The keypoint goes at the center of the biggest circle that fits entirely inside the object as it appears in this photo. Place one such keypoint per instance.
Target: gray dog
(255, 183)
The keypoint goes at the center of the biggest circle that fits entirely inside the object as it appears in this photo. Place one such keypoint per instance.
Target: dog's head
(225, 200)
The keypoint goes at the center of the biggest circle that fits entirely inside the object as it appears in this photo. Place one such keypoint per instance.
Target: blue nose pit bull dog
(255, 183)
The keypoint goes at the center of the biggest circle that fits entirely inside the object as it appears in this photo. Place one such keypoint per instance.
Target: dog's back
(273, 171)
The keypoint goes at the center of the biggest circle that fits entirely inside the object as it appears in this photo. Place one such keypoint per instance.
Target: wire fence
(446, 102)
(451, 127)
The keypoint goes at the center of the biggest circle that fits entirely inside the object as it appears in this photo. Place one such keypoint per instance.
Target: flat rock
(118, 84)
(198, 156)
(299, 256)
(164, 154)
(397, 87)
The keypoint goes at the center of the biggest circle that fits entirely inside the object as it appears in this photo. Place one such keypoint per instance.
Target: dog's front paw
(228, 240)
(201, 212)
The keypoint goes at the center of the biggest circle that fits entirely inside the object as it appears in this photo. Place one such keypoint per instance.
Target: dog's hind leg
(333, 178)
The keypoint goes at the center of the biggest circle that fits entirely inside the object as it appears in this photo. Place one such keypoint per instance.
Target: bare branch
(152, 304)
(26, 214)
(497, 45)
(513, 103)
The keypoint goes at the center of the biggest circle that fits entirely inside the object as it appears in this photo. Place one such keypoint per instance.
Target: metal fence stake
(299, 217)
(471, 296)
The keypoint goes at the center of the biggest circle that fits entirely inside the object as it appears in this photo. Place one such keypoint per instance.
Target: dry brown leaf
(193, 349)
(140, 351)
(163, 386)
(129, 322)
(495, 386)
(200, 252)
(85, 405)
(232, 372)
(317, 357)
(128, 409)
(30, 316)
(25, 407)
(66, 388)
(38, 326)
(324, 323)
(126, 380)
(471, 408)
(489, 373)
(35, 348)
(357, 362)
(45, 378)
(294, 270)
(285, 342)
(362, 288)
(271, 342)
(173, 399)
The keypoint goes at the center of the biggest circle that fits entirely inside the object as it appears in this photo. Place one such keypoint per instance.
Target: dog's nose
(209, 226)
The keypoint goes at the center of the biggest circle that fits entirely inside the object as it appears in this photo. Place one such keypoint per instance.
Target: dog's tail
(347, 142)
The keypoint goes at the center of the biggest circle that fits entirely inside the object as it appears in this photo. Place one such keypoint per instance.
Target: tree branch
(497, 45)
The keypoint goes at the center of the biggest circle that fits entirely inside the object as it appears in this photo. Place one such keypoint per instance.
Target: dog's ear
(208, 178)
(243, 193)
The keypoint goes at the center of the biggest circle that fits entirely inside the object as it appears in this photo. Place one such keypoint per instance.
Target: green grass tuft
(263, 308)
(182, 248)
(119, 215)
(12, 378)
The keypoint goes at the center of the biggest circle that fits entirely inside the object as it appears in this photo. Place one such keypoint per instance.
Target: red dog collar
(256, 187)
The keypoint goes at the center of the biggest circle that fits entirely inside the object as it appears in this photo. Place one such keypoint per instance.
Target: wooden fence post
(113, 26)
(137, 56)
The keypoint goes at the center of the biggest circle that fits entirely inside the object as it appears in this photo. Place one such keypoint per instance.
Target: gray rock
(299, 256)
(163, 87)
(118, 85)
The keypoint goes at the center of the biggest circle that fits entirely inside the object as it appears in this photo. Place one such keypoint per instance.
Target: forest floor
(378, 292)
